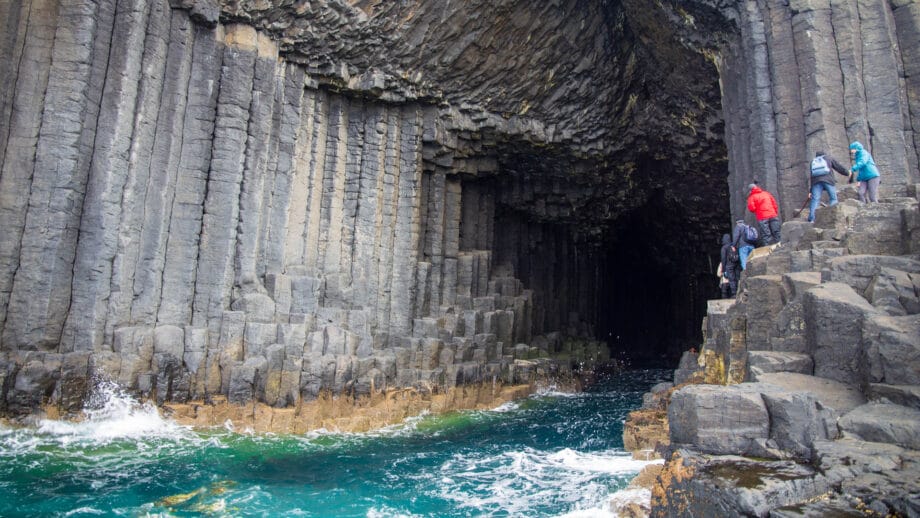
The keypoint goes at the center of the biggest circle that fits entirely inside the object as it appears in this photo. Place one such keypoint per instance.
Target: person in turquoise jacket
(866, 172)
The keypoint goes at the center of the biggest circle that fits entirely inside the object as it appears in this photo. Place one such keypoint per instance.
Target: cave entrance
(637, 280)
(654, 285)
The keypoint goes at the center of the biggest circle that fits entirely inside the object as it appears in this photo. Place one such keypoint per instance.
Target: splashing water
(111, 414)
(549, 455)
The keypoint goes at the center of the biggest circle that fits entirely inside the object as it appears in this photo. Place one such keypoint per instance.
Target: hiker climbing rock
(728, 268)
(764, 207)
(866, 173)
(822, 180)
(744, 239)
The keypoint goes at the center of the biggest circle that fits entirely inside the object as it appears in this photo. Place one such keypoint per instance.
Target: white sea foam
(510, 406)
(594, 512)
(388, 512)
(554, 391)
(84, 511)
(630, 495)
(603, 463)
(110, 414)
(529, 481)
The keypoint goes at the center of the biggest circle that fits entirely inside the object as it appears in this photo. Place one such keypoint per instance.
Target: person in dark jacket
(822, 179)
(763, 205)
(741, 244)
(730, 267)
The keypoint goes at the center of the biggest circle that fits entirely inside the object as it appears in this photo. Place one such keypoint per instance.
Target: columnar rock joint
(192, 215)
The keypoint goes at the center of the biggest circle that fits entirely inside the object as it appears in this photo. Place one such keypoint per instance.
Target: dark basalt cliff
(266, 200)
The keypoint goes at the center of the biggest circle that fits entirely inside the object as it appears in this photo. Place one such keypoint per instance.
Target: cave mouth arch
(632, 268)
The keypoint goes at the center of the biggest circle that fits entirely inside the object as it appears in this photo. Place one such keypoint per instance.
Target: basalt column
(191, 215)
(204, 200)
(813, 76)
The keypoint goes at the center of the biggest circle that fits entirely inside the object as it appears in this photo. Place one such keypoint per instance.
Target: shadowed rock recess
(271, 200)
(804, 397)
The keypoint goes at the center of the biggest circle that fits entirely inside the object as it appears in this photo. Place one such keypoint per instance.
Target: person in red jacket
(763, 205)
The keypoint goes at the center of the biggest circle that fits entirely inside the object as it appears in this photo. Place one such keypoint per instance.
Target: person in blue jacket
(866, 173)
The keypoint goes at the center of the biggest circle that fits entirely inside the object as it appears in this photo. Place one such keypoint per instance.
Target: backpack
(750, 234)
(733, 256)
(819, 166)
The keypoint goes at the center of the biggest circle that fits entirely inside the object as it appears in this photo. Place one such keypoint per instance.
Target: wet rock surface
(838, 418)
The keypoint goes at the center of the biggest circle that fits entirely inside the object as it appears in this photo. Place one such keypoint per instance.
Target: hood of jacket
(726, 239)
(857, 146)
(755, 190)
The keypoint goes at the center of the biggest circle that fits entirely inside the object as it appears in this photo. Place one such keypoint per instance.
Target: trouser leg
(813, 202)
(831, 194)
(872, 188)
(775, 227)
(764, 232)
(743, 254)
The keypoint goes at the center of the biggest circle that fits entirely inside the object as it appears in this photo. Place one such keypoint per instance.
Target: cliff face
(804, 399)
(808, 76)
(265, 200)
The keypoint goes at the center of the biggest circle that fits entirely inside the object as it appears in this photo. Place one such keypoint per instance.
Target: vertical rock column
(822, 74)
(215, 275)
(268, 85)
(433, 197)
(105, 192)
(386, 221)
(294, 158)
(787, 103)
(368, 217)
(333, 198)
(407, 228)
(152, 169)
(39, 299)
(886, 103)
(822, 92)
(174, 266)
(453, 198)
(907, 23)
(28, 40)
(758, 95)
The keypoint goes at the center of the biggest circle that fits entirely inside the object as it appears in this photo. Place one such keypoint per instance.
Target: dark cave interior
(654, 286)
(637, 278)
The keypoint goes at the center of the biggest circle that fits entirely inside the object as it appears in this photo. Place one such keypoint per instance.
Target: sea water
(552, 454)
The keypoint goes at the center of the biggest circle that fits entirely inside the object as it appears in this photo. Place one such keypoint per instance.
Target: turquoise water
(549, 455)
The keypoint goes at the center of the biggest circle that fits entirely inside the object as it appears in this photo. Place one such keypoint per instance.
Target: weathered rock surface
(195, 204)
(842, 410)
(269, 201)
(726, 485)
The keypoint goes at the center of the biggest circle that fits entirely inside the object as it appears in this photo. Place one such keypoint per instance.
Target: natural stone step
(904, 395)
(892, 349)
(834, 317)
(875, 476)
(884, 422)
(832, 394)
(729, 485)
(762, 362)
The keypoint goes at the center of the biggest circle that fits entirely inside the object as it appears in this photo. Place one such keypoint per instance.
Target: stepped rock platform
(803, 399)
